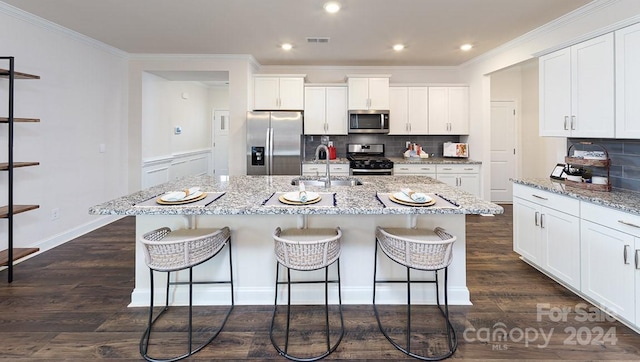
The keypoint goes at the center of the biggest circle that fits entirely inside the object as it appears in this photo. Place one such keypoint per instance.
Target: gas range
(368, 159)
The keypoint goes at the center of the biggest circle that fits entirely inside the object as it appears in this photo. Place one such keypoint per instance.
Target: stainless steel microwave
(368, 121)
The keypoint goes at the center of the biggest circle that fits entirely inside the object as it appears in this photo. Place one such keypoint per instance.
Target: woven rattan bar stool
(419, 249)
(169, 251)
(306, 250)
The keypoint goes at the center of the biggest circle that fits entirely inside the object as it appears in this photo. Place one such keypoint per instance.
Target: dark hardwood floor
(70, 304)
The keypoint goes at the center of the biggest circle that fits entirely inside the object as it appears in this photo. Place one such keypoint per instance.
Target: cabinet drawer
(311, 168)
(615, 219)
(339, 169)
(553, 201)
(414, 169)
(458, 169)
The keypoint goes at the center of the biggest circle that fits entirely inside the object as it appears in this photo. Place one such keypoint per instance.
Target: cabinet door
(314, 110)
(606, 276)
(469, 183)
(449, 179)
(336, 111)
(358, 93)
(292, 93)
(417, 110)
(459, 110)
(592, 88)
(438, 110)
(628, 82)
(561, 246)
(398, 103)
(379, 93)
(526, 230)
(555, 93)
(266, 92)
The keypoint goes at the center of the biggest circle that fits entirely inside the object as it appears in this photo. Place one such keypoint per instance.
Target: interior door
(503, 150)
(220, 138)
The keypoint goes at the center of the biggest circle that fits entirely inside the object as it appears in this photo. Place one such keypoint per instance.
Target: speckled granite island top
(434, 161)
(623, 200)
(244, 195)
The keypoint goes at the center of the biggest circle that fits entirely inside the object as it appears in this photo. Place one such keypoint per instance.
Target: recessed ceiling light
(398, 47)
(466, 47)
(332, 7)
(287, 46)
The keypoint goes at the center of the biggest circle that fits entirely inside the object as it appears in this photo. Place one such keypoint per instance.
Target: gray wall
(625, 160)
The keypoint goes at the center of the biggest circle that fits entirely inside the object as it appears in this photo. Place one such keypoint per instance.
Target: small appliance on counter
(455, 149)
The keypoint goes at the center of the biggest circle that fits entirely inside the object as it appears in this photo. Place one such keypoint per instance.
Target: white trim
(386, 69)
(225, 57)
(59, 29)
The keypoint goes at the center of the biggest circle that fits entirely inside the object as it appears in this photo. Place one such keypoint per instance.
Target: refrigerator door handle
(267, 151)
(270, 168)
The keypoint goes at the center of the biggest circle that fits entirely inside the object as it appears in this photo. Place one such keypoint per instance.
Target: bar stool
(305, 250)
(420, 249)
(168, 251)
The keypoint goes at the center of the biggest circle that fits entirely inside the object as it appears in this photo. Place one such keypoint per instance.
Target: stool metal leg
(284, 351)
(452, 340)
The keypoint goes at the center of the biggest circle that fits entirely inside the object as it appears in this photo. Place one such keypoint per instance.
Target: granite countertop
(622, 200)
(337, 160)
(244, 195)
(434, 160)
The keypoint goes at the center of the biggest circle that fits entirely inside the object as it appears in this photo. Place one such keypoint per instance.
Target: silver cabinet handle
(566, 119)
(637, 258)
(626, 247)
(573, 122)
(536, 218)
(628, 224)
(468, 169)
(542, 221)
(539, 197)
(447, 168)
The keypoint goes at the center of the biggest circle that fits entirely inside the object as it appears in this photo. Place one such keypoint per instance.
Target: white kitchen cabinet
(367, 93)
(273, 92)
(464, 177)
(316, 169)
(546, 232)
(628, 82)
(414, 169)
(576, 90)
(448, 110)
(408, 108)
(325, 110)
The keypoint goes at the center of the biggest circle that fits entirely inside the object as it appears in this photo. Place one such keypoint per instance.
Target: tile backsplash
(625, 160)
(394, 145)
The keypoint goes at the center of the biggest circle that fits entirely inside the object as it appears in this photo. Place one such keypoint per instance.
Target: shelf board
(4, 73)
(15, 119)
(4, 210)
(18, 253)
(4, 166)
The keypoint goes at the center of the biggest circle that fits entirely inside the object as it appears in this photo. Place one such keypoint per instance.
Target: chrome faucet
(327, 181)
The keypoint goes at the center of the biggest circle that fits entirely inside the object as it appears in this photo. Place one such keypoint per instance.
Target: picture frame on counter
(558, 172)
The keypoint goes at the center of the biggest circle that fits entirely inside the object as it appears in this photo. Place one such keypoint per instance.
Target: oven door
(371, 171)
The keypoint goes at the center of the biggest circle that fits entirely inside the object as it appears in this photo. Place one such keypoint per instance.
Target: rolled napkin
(415, 196)
(180, 195)
(302, 193)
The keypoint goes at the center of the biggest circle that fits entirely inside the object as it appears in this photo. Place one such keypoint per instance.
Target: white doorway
(220, 147)
(503, 150)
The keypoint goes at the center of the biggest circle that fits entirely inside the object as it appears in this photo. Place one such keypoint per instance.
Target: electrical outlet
(55, 214)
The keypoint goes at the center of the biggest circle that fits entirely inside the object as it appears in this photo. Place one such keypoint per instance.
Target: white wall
(82, 102)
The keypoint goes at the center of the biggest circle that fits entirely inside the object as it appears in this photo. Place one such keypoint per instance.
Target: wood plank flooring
(70, 304)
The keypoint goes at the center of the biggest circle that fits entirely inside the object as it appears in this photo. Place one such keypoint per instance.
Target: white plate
(295, 196)
(190, 197)
(403, 197)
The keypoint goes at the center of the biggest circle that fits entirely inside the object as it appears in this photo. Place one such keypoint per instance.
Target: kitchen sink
(321, 183)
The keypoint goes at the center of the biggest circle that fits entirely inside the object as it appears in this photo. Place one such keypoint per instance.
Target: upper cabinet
(278, 92)
(408, 109)
(367, 93)
(325, 110)
(448, 110)
(628, 82)
(577, 90)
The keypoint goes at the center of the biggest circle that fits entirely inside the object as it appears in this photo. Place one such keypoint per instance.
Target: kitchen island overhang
(357, 210)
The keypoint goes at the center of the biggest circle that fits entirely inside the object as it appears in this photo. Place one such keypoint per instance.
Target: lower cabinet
(316, 169)
(546, 236)
(414, 170)
(464, 177)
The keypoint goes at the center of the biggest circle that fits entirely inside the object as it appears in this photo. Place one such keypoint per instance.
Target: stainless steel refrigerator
(274, 143)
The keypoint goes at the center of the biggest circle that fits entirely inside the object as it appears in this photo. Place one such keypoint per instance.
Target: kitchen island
(252, 220)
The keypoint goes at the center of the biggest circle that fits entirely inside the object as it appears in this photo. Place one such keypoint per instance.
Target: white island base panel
(254, 264)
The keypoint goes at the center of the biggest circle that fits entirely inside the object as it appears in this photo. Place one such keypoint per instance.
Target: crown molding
(374, 68)
(554, 25)
(53, 27)
(225, 57)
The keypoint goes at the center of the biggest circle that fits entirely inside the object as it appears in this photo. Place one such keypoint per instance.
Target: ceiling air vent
(317, 40)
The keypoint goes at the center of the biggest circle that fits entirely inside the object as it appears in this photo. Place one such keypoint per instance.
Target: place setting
(300, 198)
(409, 198)
(192, 196)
